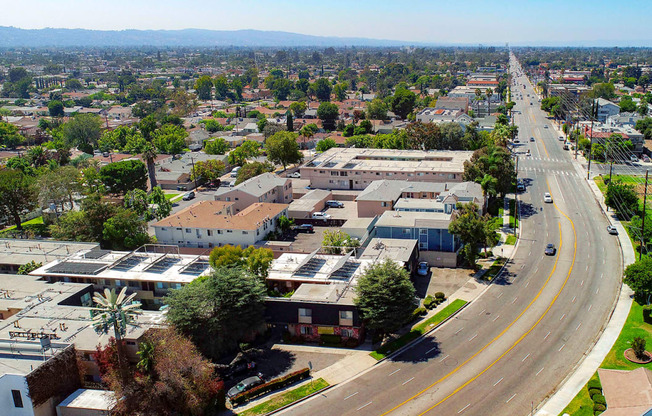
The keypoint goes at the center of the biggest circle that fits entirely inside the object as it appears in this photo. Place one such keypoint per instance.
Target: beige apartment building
(356, 169)
(263, 188)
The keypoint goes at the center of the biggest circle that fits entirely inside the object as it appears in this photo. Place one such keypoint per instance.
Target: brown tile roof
(211, 214)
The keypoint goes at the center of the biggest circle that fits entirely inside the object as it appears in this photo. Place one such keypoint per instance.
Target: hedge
(599, 408)
(594, 384)
(429, 302)
(271, 385)
(330, 339)
(599, 399)
(419, 312)
(440, 295)
(594, 391)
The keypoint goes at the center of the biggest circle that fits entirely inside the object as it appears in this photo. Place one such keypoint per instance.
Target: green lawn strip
(418, 330)
(286, 398)
(513, 220)
(511, 240)
(493, 269)
(581, 405)
(35, 221)
(170, 196)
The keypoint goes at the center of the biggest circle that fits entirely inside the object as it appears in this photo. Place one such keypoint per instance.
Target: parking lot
(349, 211)
(442, 279)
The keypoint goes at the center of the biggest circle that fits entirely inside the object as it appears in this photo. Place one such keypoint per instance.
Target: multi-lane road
(513, 346)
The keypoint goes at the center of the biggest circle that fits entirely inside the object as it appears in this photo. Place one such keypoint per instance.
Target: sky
(435, 21)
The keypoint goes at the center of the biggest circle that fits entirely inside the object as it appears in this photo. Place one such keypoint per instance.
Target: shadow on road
(424, 351)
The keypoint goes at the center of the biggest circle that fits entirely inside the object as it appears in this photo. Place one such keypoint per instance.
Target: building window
(188, 230)
(306, 330)
(219, 231)
(383, 204)
(18, 399)
(245, 233)
(406, 231)
(229, 231)
(228, 199)
(210, 233)
(346, 314)
(163, 229)
(346, 333)
(179, 229)
(423, 246)
(423, 231)
(305, 312)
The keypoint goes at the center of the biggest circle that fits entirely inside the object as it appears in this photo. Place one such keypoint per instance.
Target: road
(515, 344)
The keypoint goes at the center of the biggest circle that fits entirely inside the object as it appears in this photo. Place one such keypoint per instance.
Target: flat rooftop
(410, 219)
(315, 267)
(14, 251)
(395, 249)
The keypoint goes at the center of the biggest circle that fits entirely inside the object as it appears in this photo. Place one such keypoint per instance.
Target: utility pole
(516, 198)
(588, 175)
(611, 169)
(640, 253)
(192, 162)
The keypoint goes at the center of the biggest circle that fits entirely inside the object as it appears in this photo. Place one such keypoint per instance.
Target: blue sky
(452, 21)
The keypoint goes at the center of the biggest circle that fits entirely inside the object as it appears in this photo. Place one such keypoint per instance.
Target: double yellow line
(507, 328)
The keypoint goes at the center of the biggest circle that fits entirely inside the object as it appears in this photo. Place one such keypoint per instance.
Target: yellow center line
(518, 341)
(456, 369)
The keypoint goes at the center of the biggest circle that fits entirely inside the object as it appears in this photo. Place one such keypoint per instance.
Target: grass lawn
(581, 405)
(286, 398)
(418, 330)
(35, 221)
(513, 220)
(170, 196)
(494, 269)
(511, 240)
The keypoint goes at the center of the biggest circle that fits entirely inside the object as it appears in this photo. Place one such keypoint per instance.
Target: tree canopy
(121, 177)
(282, 148)
(638, 276)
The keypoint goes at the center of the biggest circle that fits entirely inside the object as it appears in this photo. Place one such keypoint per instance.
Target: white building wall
(9, 382)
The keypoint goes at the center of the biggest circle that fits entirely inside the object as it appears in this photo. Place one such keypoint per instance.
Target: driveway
(442, 279)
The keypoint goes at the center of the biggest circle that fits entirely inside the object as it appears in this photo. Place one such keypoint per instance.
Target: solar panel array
(346, 271)
(162, 264)
(128, 263)
(73, 267)
(96, 253)
(311, 267)
(196, 268)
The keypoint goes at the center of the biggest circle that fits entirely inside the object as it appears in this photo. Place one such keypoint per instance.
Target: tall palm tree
(489, 93)
(478, 94)
(115, 311)
(149, 155)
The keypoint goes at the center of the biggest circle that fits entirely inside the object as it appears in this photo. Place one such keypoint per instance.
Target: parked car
(304, 228)
(190, 195)
(520, 187)
(547, 198)
(294, 175)
(423, 269)
(633, 158)
(611, 229)
(560, 138)
(320, 216)
(334, 204)
(531, 139)
(246, 384)
(550, 250)
(646, 158)
(545, 126)
(234, 172)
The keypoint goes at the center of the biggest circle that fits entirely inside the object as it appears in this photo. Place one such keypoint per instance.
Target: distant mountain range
(15, 37)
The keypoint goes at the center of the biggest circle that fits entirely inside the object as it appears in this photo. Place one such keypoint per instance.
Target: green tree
(204, 87)
(322, 88)
(627, 105)
(17, 195)
(489, 93)
(59, 187)
(328, 113)
(252, 169)
(207, 171)
(121, 177)
(289, 121)
(621, 197)
(340, 91)
(285, 223)
(221, 87)
(218, 311)
(125, 231)
(402, 102)
(149, 155)
(298, 108)
(162, 206)
(248, 150)
(55, 108)
(83, 131)
(9, 135)
(218, 146)
(495, 161)
(27, 268)
(377, 109)
(258, 261)
(638, 276)
(170, 139)
(282, 148)
(603, 90)
(385, 296)
(325, 144)
(469, 227)
(337, 241)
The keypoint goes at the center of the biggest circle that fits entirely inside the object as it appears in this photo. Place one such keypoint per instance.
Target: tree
(285, 223)
(204, 87)
(328, 113)
(377, 109)
(249, 149)
(218, 311)
(170, 139)
(282, 148)
(638, 276)
(182, 103)
(9, 135)
(17, 195)
(337, 241)
(218, 146)
(298, 108)
(289, 121)
(252, 169)
(469, 227)
(74, 84)
(55, 108)
(125, 231)
(621, 197)
(402, 102)
(489, 93)
(322, 89)
(308, 131)
(627, 105)
(325, 144)
(603, 90)
(495, 161)
(59, 187)
(149, 154)
(385, 296)
(221, 87)
(258, 260)
(207, 171)
(340, 91)
(83, 131)
(121, 177)
(27, 268)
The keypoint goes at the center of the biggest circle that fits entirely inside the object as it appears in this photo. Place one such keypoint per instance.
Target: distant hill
(15, 37)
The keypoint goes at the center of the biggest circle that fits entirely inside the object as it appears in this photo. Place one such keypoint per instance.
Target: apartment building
(353, 168)
(208, 224)
(267, 187)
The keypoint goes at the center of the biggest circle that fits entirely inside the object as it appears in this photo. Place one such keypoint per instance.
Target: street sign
(310, 364)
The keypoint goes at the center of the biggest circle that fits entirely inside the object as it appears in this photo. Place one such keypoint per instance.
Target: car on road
(645, 158)
(547, 198)
(531, 139)
(334, 204)
(517, 141)
(244, 385)
(294, 175)
(633, 158)
(520, 187)
(190, 195)
(611, 229)
(560, 138)
(320, 216)
(423, 269)
(304, 228)
(545, 126)
(550, 250)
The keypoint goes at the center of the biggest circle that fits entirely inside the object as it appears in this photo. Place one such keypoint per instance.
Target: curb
(300, 400)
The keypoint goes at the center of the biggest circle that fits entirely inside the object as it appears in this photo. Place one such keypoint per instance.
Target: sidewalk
(589, 365)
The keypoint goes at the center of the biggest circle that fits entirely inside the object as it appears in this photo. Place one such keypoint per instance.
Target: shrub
(440, 295)
(429, 302)
(330, 339)
(593, 392)
(599, 399)
(638, 345)
(599, 408)
(271, 385)
(594, 384)
(419, 312)
(350, 343)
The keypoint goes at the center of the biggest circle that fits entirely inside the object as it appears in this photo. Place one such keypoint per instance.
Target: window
(229, 231)
(219, 231)
(346, 314)
(18, 399)
(423, 246)
(163, 229)
(179, 229)
(306, 330)
(423, 231)
(346, 333)
(305, 312)
(188, 230)
(228, 199)
(210, 233)
(131, 342)
(383, 204)
(406, 231)
(245, 233)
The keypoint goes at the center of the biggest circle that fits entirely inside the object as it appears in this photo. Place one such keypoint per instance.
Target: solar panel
(195, 268)
(77, 268)
(96, 253)
(311, 267)
(162, 264)
(128, 263)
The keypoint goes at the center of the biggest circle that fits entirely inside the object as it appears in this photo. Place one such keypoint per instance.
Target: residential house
(267, 187)
(453, 103)
(606, 109)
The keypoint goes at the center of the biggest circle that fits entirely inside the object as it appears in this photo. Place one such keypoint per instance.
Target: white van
(234, 172)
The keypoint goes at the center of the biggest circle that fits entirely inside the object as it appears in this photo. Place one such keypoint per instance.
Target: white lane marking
(590, 308)
(562, 317)
(407, 381)
(601, 274)
(444, 358)
(349, 396)
(514, 300)
(497, 316)
(597, 290)
(473, 337)
(536, 270)
(395, 371)
(362, 407)
(587, 267)
(459, 330)
(578, 326)
(539, 371)
(562, 347)
(525, 358)
(482, 312)
(501, 293)
(546, 335)
(433, 348)
(582, 284)
(463, 409)
(496, 383)
(510, 399)
(527, 283)
(573, 301)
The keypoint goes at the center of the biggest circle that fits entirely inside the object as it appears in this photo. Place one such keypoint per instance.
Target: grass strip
(286, 398)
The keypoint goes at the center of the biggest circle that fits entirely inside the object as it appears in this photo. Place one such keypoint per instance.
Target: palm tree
(307, 133)
(149, 155)
(115, 311)
(489, 93)
(478, 94)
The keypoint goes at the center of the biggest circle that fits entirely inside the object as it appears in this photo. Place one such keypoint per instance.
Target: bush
(593, 392)
(350, 343)
(599, 408)
(330, 339)
(419, 312)
(271, 385)
(599, 399)
(429, 302)
(638, 345)
(594, 384)
(440, 295)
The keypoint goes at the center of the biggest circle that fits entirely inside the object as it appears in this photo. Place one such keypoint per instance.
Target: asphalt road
(514, 345)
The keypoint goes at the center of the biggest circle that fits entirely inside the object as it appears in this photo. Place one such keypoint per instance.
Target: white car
(547, 198)
(320, 216)
(294, 175)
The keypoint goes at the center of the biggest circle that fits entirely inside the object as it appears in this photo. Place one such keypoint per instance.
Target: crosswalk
(547, 159)
(548, 171)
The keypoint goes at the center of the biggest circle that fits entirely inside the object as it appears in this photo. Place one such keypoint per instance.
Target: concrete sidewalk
(590, 364)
